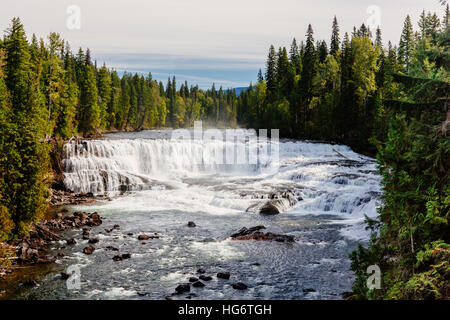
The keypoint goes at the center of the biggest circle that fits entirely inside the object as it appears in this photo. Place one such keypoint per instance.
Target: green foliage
(412, 246)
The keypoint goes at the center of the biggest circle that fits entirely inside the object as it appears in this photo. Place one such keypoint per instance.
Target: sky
(201, 41)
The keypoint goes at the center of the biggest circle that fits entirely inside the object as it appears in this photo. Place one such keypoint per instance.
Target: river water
(157, 185)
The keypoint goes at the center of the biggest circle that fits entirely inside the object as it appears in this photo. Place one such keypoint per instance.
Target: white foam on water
(180, 176)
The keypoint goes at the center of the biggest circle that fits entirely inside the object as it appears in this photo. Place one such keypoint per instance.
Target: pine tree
(335, 41)
(25, 164)
(446, 18)
(104, 94)
(271, 73)
(378, 39)
(260, 76)
(89, 112)
(406, 45)
(307, 75)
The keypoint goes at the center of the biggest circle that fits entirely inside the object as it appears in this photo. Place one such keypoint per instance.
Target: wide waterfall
(156, 185)
(329, 178)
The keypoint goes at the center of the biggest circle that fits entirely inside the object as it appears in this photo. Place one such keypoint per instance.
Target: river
(157, 185)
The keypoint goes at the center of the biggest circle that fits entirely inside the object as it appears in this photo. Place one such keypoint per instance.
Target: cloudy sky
(202, 41)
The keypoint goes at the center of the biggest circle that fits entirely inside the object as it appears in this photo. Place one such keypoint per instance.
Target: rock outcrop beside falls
(32, 247)
(276, 203)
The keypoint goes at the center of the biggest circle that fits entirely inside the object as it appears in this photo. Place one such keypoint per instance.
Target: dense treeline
(411, 244)
(48, 91)
(391, 101)
(332, 92)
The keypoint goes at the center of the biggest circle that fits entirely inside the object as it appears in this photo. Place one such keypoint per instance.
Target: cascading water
(323, 193)
(330, 178)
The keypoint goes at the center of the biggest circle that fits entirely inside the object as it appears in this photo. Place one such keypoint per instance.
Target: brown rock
(143, 237)
(89, 249)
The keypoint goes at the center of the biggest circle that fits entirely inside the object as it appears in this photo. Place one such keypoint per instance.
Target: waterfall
(330, 179)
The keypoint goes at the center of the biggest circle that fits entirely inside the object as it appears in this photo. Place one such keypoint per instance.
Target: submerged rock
(205, 278)
(223, 275)
(254, 233)
(240, 286)
(198, 284)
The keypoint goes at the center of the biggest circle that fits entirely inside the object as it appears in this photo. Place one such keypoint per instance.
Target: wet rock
(94, 220)
(201, 270)
(30, 283)
(60, 255)
(269, 208)
(240, 286)
(191, 224)
(246, 231)
(112, 248)
(168, 298)
(44, 260)
(143, 237)
(117, 258)
(71, 241)
(193, 279)
(254, 234)
(89, 249)
(116, 226)
(108, 230)
(142, 294)
(182, 288)
(256, 264)
(205, 278)
(27, 254)
(129, 233)
(126, 256)
(65, 276)
(93, 240)
(198, 284)
(223, 275)
(308, 290)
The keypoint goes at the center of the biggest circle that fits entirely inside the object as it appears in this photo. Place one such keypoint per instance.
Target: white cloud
(232, 29)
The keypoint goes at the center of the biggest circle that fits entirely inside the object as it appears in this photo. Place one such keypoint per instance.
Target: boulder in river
(198, 284)
(254, 233)
(240, 286)
(205, 278)
(89, 249)
(65, 276)
(182, 288)
(93, 240)
(193, 279)
(143, 237)
(223, 275)
(191, 224)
